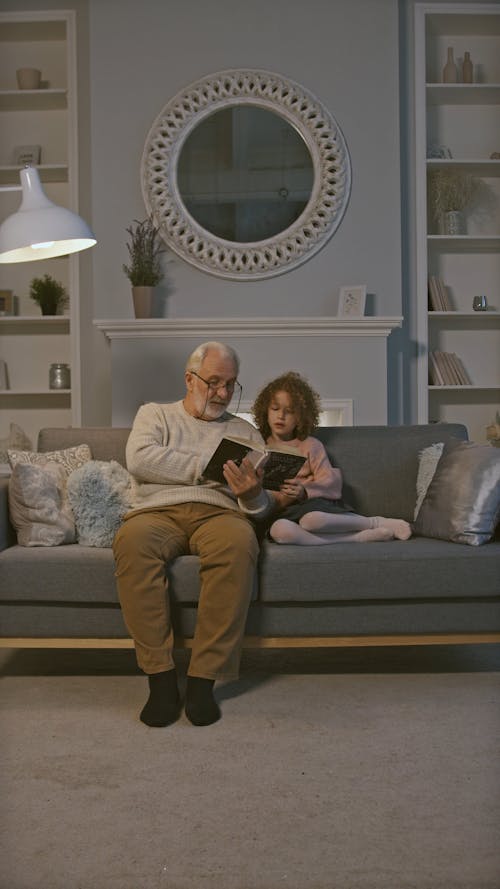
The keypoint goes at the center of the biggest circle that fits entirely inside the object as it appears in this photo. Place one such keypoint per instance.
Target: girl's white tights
(317, 528)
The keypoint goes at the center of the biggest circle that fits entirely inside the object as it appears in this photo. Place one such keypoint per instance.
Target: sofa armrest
(7, 534)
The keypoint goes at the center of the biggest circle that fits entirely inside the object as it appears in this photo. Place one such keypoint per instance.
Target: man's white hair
(197, 357)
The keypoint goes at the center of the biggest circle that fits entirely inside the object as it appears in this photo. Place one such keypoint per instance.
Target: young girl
(311, 510)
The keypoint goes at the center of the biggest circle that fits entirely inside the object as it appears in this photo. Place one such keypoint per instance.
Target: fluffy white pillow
(428, 460)
(99, 494)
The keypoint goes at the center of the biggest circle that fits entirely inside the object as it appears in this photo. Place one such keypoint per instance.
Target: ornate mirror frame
(289, 248)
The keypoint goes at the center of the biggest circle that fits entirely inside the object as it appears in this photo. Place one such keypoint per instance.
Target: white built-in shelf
(26, 29)
(9, 174)
(45, 40)
(470, 388)
(33, 100)
(43, 393)
(475, 166)
(37, 320)
(493, 317)
(465, 243)
(463, 93)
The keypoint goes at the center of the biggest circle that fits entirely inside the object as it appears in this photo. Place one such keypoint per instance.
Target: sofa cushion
(105, 442)
(99, 495)
(379, 464)
(419, 568)
(81, 574)
(38, 505)
(462, 503)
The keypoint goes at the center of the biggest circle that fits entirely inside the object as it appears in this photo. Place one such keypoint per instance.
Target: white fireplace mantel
(132, 328)
(345, 359)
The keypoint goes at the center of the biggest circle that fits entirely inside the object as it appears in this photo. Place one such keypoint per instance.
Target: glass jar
(59, 376)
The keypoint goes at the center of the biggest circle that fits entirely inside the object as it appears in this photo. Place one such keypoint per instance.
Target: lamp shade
(41, 229)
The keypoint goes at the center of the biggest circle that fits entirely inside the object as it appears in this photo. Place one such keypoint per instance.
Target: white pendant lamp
(41, 229)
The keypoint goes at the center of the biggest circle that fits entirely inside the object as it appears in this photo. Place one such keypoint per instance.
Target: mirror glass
(245, 173)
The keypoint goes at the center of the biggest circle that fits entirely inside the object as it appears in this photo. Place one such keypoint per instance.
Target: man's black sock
(163, 705)
(201, 706)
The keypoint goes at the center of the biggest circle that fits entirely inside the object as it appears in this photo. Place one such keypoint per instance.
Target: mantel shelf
(201, 327)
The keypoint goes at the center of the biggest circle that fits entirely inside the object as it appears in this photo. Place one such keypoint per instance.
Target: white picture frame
(27, 155)
(352, 301)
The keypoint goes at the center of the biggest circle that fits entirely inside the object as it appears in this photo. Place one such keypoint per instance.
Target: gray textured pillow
(428, 460)
(99, 494)
(70, 458)
(462, 503)
(38, 507)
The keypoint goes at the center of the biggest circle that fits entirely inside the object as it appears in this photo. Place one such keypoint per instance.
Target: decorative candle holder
(59, 376)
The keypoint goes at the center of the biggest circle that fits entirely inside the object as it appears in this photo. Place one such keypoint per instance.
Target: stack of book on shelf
(439, 300)
(446, 369)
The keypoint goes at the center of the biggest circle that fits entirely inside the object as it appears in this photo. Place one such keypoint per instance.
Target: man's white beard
(208, 410)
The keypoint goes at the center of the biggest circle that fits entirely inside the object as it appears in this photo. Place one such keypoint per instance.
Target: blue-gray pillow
(99, 495)
(462, 503)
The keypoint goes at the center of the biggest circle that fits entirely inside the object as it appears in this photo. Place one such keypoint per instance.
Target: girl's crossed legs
(317, 528)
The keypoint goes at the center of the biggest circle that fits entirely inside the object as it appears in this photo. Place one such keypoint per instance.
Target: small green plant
(144, 250)
(451, 190)
(49, 294)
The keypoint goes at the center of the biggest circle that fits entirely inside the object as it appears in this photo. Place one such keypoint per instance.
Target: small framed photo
(6, 302)
(27, 154)
(352, 301)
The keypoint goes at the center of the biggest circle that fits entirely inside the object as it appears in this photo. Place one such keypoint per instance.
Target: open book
(279, 463)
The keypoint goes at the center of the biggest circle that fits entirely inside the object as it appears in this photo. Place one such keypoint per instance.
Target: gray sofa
(424, 590)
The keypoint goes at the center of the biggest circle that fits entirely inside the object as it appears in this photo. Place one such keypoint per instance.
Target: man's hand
(244, 480)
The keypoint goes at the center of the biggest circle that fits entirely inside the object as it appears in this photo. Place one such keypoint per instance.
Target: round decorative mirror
(246, 174)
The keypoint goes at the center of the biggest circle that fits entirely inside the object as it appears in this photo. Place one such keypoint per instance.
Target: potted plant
(49, 294)
(450, 193)
(144, 269)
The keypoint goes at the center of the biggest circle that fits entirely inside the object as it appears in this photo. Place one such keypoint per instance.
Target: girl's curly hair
(305, 400)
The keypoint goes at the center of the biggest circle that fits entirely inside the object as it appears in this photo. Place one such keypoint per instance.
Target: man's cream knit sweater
(167, 452)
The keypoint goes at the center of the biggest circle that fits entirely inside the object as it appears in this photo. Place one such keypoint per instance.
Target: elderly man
(175, 512)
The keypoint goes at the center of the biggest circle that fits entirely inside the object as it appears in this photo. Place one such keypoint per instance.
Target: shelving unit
(29, 342)
(465, 118)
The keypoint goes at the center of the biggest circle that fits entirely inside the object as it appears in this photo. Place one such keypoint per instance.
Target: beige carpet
(360, 769)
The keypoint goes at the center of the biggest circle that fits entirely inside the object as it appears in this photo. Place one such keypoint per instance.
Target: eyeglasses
(215, 385)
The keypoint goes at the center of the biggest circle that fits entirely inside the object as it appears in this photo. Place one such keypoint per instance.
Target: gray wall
(344, 51)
